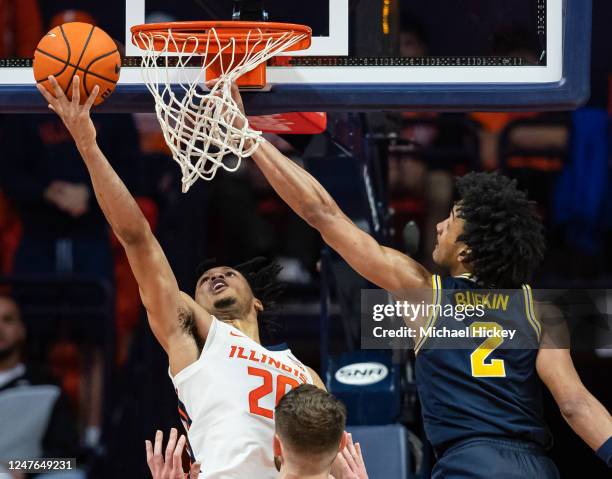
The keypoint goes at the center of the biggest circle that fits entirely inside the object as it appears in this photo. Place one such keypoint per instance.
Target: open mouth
(218, 285)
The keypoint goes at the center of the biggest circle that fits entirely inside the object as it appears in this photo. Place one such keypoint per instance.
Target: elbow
(575, 406)
(134, 234)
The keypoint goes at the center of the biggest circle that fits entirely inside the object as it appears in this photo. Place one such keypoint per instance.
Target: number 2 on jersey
(480, 367)
(267, 388)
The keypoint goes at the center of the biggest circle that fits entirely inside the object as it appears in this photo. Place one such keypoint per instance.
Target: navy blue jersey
(486, 386)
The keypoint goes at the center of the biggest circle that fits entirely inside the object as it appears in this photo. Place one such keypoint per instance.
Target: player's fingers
(350, 445)
(149, 449)
(180, 445)
(170, 446)
(177, 458)
(349, 459)
(76, 90)
(57, 90)
(211, 83)
(343, 465)
(92, 98)
(359, 457)
(157, 449)
(194, 473)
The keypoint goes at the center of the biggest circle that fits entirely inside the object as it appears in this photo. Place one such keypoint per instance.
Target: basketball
(78, 49)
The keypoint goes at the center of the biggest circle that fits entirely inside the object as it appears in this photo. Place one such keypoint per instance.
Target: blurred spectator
(21, 26)
(64, 232)
(36, 418)
(516, 42)
(10, 232)
(583, 190)
(534, 137)
(63, 229)
(70, 15)
(414, 41)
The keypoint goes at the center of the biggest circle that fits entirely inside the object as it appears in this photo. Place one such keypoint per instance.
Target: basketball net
(205, 130)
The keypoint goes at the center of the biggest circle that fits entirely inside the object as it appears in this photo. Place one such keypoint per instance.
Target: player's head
(12, 329)
(493, 230)
(309, 430)
(239, 291)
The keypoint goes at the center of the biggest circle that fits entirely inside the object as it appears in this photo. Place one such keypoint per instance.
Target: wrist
(253, 144)
(86, 145)
(605, 452)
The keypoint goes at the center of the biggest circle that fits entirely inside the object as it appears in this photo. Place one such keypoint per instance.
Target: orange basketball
(78, 49)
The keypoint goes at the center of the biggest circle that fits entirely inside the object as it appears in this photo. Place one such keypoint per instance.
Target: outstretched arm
(582, 411)
(158, 287)
(385, 267)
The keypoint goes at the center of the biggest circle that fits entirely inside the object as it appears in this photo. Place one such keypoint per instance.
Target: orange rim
(240, 32)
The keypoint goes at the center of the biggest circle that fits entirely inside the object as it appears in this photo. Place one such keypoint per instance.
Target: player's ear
(277, 449)
(276, 445)
(278, 463)
(258, 305)
(464, 252)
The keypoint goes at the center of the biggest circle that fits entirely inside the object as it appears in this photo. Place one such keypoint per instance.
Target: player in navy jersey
(482, 407)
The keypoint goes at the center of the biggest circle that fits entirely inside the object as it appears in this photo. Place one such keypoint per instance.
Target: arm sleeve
(605, 452)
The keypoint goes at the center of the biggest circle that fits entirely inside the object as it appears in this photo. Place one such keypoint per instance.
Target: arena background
(85, 322)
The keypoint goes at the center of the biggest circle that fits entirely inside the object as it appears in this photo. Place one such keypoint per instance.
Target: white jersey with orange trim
(227, 400)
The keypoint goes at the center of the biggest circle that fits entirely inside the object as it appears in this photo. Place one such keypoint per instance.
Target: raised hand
(349, 462)
(235, 92)
(75, 116)
(170, 464)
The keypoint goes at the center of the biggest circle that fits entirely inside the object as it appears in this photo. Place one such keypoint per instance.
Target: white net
(205, 129)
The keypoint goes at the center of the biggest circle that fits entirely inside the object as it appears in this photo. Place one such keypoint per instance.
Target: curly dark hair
(502, 230)
(262, 276)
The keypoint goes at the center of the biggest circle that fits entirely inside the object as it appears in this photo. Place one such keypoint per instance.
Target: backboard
(372, 55)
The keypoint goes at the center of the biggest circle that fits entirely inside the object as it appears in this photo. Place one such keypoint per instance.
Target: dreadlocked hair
(503, 233)
(262, 276)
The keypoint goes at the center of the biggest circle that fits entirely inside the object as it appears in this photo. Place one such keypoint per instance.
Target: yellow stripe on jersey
(436, 285)
(530, 311)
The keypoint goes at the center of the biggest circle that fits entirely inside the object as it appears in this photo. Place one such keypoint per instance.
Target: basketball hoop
(203, 127)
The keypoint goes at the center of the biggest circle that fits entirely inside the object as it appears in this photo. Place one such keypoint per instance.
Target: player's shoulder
(316, 379)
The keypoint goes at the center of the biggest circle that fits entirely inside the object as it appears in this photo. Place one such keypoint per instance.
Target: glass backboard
(369, 55)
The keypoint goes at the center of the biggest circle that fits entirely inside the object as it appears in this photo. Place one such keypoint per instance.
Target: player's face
(448, 251)
(12, 330)
(221, 288)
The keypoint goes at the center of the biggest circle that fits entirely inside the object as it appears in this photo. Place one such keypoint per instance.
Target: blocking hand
(75, 116)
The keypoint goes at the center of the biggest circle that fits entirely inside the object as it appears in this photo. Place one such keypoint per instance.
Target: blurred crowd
(54, 240)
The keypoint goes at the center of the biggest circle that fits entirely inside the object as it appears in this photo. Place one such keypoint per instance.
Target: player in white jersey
(229, 394)
(227, 382)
